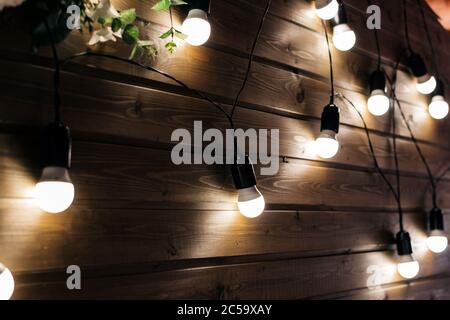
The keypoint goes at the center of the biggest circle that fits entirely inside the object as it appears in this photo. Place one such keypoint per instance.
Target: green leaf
(128, 16)
(177, 2)
(171, 46)
(166, 34)
(116, 24)
(104, 21)
(180, 35)
(130, 34)
(162, 5)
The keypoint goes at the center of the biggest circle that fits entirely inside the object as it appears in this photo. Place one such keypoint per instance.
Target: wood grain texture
(288, 279)
(141, 227)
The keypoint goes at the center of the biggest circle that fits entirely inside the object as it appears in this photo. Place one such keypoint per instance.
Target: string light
(344, 38)
(6, 283)
(437, 240)
(196, 25)
(55, 192)
(378, 102)
(250, 201)
(326, 144)
(407, 266)
(326, 9)
(425, 83)
(438, 107)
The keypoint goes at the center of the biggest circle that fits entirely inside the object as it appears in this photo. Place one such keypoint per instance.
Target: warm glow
(378, 103)
(437, 244)
(251, 202)
(329, 11)
(344, 38)
(408, 269)
(54, 196)
(326, 146)
(196, 27)
(6, 283)
(438, 108)
(427, 87)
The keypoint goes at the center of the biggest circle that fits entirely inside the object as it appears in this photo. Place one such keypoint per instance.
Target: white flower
(104, 35)
(10, 3)
(104, 10)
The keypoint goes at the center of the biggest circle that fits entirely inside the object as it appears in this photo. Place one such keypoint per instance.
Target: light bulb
(407, 267)
(54, 192)
(426, 84)
(251, 202)
(438, 107)
(327, 9)
(344, 38)
(196, 27)
(326, 144)
(437, 241)
(6, 283)
(378, 103)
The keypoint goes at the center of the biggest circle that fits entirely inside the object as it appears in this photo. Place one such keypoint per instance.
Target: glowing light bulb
(407, 267)
(344, 38)
(251, 202)
(6, 283)
(327, 9)
(437, 241)
(378, 103)
(426, 84)
(196, 27)
(326, 144)
(438, 108)
(54, 192)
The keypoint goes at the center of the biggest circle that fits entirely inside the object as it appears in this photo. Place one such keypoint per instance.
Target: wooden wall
(141, 227)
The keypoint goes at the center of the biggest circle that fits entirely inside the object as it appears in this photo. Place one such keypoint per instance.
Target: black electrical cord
(377, 41)
(397, 167)
(405, 21)
(56, 75)
(250, 60)
(372, 152)
(430, 42)
(413, 137)
(134, 63)
(331, 63)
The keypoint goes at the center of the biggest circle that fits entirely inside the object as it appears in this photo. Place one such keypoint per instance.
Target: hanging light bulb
(344, 38)
(437, 240)
(54, 192)
(326, 144)
(250, 201)
(196, 25)
(426, 83)
(6, 283)
(378, 102)
(407, 266)
(438, 107)
(327, 9)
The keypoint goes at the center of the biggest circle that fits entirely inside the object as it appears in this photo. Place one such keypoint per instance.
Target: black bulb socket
(243, 174)
(417, 65)
(56, 146)
(440, 90)
(436, 219)
(403, 243)
(204, 5)
(330, 118)
(341, 16)
(377, 81)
